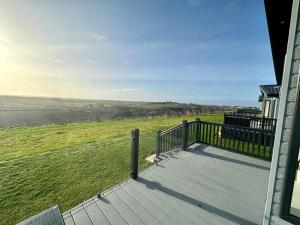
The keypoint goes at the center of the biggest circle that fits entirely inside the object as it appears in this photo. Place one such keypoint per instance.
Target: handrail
(247, 116)
(238, 127)
(250, 121)
(170, 129)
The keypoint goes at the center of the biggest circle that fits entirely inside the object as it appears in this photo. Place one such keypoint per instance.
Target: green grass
(67, 164)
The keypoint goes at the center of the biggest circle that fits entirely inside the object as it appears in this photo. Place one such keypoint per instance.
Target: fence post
(197, 130)
(185, 134)
(134, 153)
(158, 141)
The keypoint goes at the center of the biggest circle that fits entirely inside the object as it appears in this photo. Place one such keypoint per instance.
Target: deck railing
(255, 122)
(170, 139)
(245, 140)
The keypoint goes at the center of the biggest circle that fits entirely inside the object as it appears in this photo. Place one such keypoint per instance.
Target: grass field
(66, 164)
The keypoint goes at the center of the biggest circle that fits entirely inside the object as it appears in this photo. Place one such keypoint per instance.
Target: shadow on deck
(204, 185)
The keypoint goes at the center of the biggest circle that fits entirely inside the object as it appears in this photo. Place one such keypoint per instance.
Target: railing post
(197, 130)
(185, 134)
(134, 153)
(158, 141)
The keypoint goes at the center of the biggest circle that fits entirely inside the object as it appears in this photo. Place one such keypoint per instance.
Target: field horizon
(22, 111)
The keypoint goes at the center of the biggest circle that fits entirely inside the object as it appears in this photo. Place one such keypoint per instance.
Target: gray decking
(205, 185)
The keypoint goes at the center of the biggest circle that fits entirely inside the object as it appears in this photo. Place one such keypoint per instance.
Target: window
(267, 108)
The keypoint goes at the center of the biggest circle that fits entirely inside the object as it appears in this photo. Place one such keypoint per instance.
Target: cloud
(99, 38)
(59, 61)
(128, 90)
(10, 44)
(6, 42)
(230, 6)
(126, 62)
(93, 62)
(194, 2)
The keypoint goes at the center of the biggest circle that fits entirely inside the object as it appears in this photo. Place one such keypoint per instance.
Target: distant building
(270, 100)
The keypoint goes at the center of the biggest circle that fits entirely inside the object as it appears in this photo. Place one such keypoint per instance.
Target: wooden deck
(204, 185)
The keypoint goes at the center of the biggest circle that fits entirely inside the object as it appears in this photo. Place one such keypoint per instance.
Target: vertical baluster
(203, 131)
(198, 131)
(193, 133)
(271, 145)
(158, 145)
(253, 141)
(176, 138)
(166, 142)
(231, 145)
(221, 137)
(238, 139)
(217, 137)
(259, 143)
(243, 141)
(229, 140)
(163, 142)
(248, 140)
(225, 136)
(172, 139)
(206, 134)
(265, 143)
(234, 134)
(213, 134)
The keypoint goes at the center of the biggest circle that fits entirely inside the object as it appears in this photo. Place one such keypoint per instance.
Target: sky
(193, 51)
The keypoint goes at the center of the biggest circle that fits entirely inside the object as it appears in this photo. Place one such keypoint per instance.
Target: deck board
(204, 185)
(81, 217)
(138, 209)
(151, 206)
(96, 215)
(110, 212)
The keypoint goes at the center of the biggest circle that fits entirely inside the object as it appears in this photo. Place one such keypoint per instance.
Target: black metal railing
(245, 140)
(253, 142)
(255, 122)
(170, 139)
(240, 139)
(192, 131)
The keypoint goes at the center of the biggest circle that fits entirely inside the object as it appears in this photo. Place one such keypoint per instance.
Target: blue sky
(199, 51)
